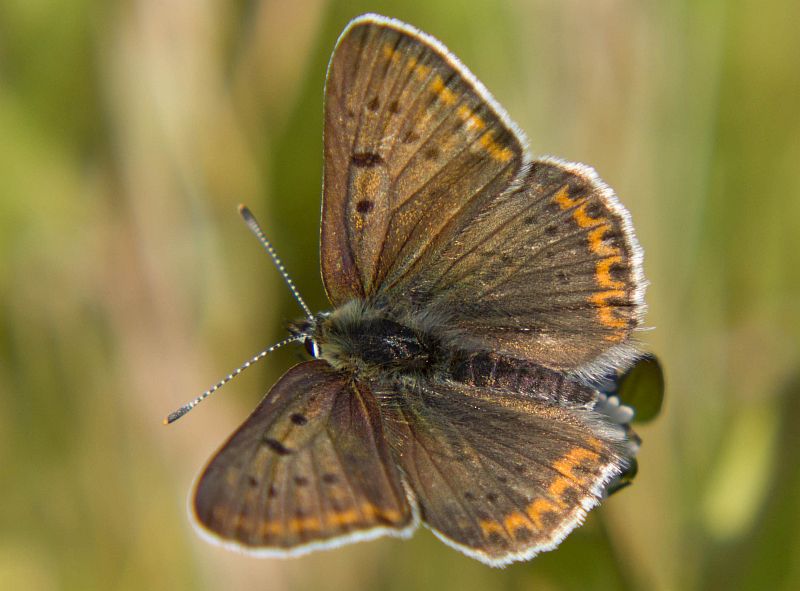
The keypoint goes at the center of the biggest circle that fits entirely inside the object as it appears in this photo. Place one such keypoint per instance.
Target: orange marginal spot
(596, 242)
(382, 514)
(538, 508)
(516, 521)
(605, 312)
(390, 54)
(471, 120)
(299, 524)
(583, 219)
(616, 336)
(560, 484)
(271, 528)
(595, 443)
(563, 199)
(489, 527)
(421, 70)
(603, 273)
(495, 150)
(348, 517)
(447, 96)
(572, 460)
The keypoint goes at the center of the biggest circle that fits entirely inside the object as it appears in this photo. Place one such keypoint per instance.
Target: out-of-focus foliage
(642, 388)
(130, 130)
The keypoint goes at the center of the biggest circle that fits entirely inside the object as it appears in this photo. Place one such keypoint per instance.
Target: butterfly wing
(414, 144)
(309, 468)
(550, 272)
(500, 476)
(428, 198)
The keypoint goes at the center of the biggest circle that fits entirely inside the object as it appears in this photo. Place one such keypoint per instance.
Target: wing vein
(455, 496)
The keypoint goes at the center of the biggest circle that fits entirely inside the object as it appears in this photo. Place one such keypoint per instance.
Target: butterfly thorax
(371, 341)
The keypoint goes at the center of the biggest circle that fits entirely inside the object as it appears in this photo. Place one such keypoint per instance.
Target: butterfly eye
(312, 347)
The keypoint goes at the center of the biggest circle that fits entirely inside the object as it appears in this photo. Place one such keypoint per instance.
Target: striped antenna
(174, 416)
(252, 223)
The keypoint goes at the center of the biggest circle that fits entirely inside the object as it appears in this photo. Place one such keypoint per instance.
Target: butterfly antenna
(174, 416)
(255, 228)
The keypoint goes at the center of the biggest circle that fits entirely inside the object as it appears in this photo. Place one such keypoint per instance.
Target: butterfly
(476, 294)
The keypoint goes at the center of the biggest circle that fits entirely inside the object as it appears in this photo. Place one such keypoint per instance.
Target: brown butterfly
(476, 295)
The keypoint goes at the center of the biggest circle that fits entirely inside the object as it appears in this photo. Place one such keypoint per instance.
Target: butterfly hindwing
(550, 272)
(500, 476)
(413, 145)
(309, 467)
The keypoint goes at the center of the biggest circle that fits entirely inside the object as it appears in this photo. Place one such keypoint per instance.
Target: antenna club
(245, 212)
(175, 415)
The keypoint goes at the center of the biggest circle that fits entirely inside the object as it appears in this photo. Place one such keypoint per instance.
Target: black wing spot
(366, 159)
(381, 517)
(374, 104)
(276, 446)
(551, 230)
(298, 419)
(364, 206)
(252, 481)
(394, 107)
(594, 210)
(562, 277)
(432, 153)
(553, 207)
(619, 272)
(329, 478)
(272, 492)
(469, 496)
(523, 534)
(301, 481)
(491, 497)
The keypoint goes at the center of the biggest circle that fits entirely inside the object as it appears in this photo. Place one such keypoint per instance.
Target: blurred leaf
(642, 388)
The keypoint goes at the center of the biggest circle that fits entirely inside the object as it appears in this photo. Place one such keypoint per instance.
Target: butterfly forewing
(501, 477)
(310, 465)
(413, 146)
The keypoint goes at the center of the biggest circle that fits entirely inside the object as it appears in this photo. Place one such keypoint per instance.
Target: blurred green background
(129, 131)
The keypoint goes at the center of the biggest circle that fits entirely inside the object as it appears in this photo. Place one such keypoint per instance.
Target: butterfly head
(307, 331)
(368, 340)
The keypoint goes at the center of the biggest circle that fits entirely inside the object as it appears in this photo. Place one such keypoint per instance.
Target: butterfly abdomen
(486, 369)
